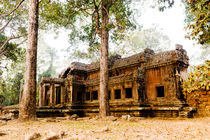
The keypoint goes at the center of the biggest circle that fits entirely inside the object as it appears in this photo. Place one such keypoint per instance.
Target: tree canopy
(80, 17)
(198, 20)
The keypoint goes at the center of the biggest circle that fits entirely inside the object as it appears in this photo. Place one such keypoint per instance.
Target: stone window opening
(87, 97)
(160, 91)
(58, 95)
(117, 94)
(79, 96)
(95, 95)
(128, 93)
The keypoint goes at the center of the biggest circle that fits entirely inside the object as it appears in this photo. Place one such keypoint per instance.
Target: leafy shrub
(198, 79)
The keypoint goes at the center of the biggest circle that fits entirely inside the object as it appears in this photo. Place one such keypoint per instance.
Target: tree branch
(4, 15)
(2, 29)
(93, 34)
(3, 53)
(3, 46)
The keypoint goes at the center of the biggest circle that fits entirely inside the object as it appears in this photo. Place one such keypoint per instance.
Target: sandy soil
(86, 128)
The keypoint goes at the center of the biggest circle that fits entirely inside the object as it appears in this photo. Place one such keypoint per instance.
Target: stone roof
(168, 56)
(114, 62)
(52, 80)
(78, 66)
(147, 56)
(127, 61)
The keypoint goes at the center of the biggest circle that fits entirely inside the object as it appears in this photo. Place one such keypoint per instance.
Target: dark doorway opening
(128, 93)
(47, 95)
(95, 95)
(79, 96)
(58, 95)
(117, 94)
(160, 91)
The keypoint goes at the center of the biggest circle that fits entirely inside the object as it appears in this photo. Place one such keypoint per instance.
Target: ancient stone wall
(200, 100)
(162, 85)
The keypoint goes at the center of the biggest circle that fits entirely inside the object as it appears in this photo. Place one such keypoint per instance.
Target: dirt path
(158, 129)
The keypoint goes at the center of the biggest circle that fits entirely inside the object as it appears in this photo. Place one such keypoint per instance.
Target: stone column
(52, 94)
(44, 94)
(112, 94)
(135, 90)
(62, 94)
(41, 95)
(70, 94)
(122, 91)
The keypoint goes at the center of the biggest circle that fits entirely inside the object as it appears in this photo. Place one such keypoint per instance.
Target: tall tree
(104, 33)
(27, 110)
(101, 17)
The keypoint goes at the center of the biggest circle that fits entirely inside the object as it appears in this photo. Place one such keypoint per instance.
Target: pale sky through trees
(171, 22)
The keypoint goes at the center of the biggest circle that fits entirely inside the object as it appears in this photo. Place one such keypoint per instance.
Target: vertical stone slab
(122, 91)
(91, 98)
(54, 95)
(135, 90)
(40, 95)
(112, 94)
(44, 94)
(52, 87)
(71, 94)
(62, 94)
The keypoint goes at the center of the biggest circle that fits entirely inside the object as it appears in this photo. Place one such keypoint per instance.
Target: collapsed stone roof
(169, 56)
(116, 61)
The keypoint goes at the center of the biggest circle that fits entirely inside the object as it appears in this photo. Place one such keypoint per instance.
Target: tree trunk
(104, 102)
(27, 110)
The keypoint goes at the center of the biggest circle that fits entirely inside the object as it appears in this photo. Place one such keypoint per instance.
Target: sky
(171, 22)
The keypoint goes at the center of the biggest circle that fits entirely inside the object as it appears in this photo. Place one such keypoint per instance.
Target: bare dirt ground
(87, 128)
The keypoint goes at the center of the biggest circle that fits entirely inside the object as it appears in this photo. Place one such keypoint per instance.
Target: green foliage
(80, 18)
(198, 20)
(198, 79)
(12, 50)
(18, 24)
(11, 81)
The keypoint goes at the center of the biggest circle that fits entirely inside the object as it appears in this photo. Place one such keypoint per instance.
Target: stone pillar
(91, 98)
(71, 94)
(112, 94)
(44, 95)
(122, 91)
(62, 94)
(52, 94)
(41, 95)
(135, 90)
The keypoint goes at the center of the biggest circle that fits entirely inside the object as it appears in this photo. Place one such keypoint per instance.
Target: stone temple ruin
(145, 84)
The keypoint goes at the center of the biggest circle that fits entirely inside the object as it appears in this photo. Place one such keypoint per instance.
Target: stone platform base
(170, 112)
